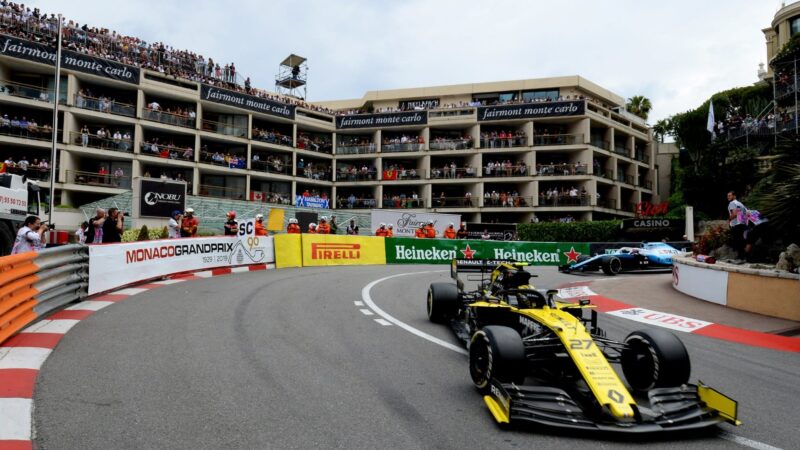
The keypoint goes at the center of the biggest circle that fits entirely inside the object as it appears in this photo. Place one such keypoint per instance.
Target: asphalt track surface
(287, 359)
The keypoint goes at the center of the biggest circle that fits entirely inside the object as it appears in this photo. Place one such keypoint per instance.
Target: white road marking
(367, 312)
(130, 291)
(15, 419)
(368, 301)
(746, 442)
(357, 303)
(90, 305)
(383, 322)
(60, 326)
(22, 358)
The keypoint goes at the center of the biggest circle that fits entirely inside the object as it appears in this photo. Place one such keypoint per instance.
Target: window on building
(541, 94)
(794, 25)
(495, 97)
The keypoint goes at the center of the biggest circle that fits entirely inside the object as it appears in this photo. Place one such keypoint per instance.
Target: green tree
(775, 196)
(663, 128)
(144, 234)
(639, 105)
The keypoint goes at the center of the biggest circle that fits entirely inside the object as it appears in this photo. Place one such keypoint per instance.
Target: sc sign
(247, 228)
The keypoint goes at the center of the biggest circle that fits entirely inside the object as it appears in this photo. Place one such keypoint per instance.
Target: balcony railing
(643, 157)
(564, 200)
(355, 149)
(167, 151)
(32, 172)
(557, 139)
(561, 169)
(507, 201)
(441, 173)
(224, 128)
(229, 161)
(621, 150)
(103, 143)
(355, 174)
(622, 178)
(517, 170)
(101, 179)
(275, 166)
(607, 174)
(271, 137)
(599, 143)
(178, 120)
(610, 203)
(210, 190)
(105, 105)
(402, 201)
(314, 146)
(315, 174)
(30, 92)
(277, 198)
(356, 203)
(15, 129)
(507, 142)
(396, 148)
(451, 144)
(455, 202)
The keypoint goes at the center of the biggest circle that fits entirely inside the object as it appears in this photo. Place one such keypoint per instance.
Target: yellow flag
(275, 219)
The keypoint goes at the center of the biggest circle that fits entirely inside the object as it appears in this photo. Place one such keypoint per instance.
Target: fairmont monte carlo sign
(531, 110)
(244, 101)
(397, 119)
(31, 51)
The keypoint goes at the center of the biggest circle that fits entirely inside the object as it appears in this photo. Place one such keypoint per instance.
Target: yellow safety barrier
(288, 250)
(337, 250)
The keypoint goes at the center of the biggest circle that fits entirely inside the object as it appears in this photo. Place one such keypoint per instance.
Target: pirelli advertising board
(443, 251)
(338, 250)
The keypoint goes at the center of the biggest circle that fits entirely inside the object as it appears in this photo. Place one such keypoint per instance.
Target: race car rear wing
(480, 265)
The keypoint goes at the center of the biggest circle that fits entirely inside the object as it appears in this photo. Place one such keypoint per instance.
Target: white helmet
(383, 225)
(390, 226)
(189, 210)
(293, 220)
(323, 218)
(259, 216)
(312, 225)
(451, 224)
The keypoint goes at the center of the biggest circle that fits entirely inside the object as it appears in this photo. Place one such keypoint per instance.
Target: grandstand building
(512, 151)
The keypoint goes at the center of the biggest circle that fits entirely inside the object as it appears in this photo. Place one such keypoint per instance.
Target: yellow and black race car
(538, 359)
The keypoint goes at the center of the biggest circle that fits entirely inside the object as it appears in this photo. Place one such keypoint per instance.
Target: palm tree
(662, 128)
(639, 105)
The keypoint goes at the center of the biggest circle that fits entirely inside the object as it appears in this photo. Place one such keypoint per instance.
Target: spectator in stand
(113, 226)
(352, 228)
(189, 224)
(29, 236)
(485, 235)
(334, 225)
(230, 226)
(173, 225)
(737, 219)
(450, 232)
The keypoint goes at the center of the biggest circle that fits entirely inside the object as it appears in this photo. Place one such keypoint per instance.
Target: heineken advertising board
(443, 251)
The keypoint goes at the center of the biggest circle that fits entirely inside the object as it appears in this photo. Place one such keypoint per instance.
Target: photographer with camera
(113, 226)
(29, 237)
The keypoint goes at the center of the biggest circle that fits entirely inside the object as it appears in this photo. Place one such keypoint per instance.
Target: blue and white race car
(649, 257)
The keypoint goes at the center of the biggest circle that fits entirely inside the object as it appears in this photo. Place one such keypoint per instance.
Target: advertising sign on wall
(244, 101)
(497, 231)
(115, 265)
(159, 198)
(531, 110)
(311, 202)
(398, 119)
(442, 251)
(705, 284)
(337, 250)
(406, 223)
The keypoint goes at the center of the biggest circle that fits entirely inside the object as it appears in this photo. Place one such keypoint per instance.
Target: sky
(677, 53)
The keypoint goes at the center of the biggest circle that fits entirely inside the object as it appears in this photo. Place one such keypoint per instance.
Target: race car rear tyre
(612, 266)
(442, 301)
(496, 353)
(655, 358)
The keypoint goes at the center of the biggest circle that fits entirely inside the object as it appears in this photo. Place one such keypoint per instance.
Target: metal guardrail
(33, 284)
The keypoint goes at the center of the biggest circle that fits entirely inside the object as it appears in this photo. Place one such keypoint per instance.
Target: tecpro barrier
(116, 265)
(442, 251)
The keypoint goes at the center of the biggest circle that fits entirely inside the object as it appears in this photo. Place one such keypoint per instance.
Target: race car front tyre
(496, 353)
(612, 266)
(655, 358)
(442, 301)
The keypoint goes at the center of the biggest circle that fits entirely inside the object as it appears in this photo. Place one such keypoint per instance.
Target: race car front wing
(681, 408)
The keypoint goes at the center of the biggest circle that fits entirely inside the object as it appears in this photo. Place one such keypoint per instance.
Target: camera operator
(113, 226)
(29, 237)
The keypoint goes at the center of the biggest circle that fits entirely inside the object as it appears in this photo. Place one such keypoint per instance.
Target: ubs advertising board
(443, 251)
(336, 250)
(115, 265)
(158, 198)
